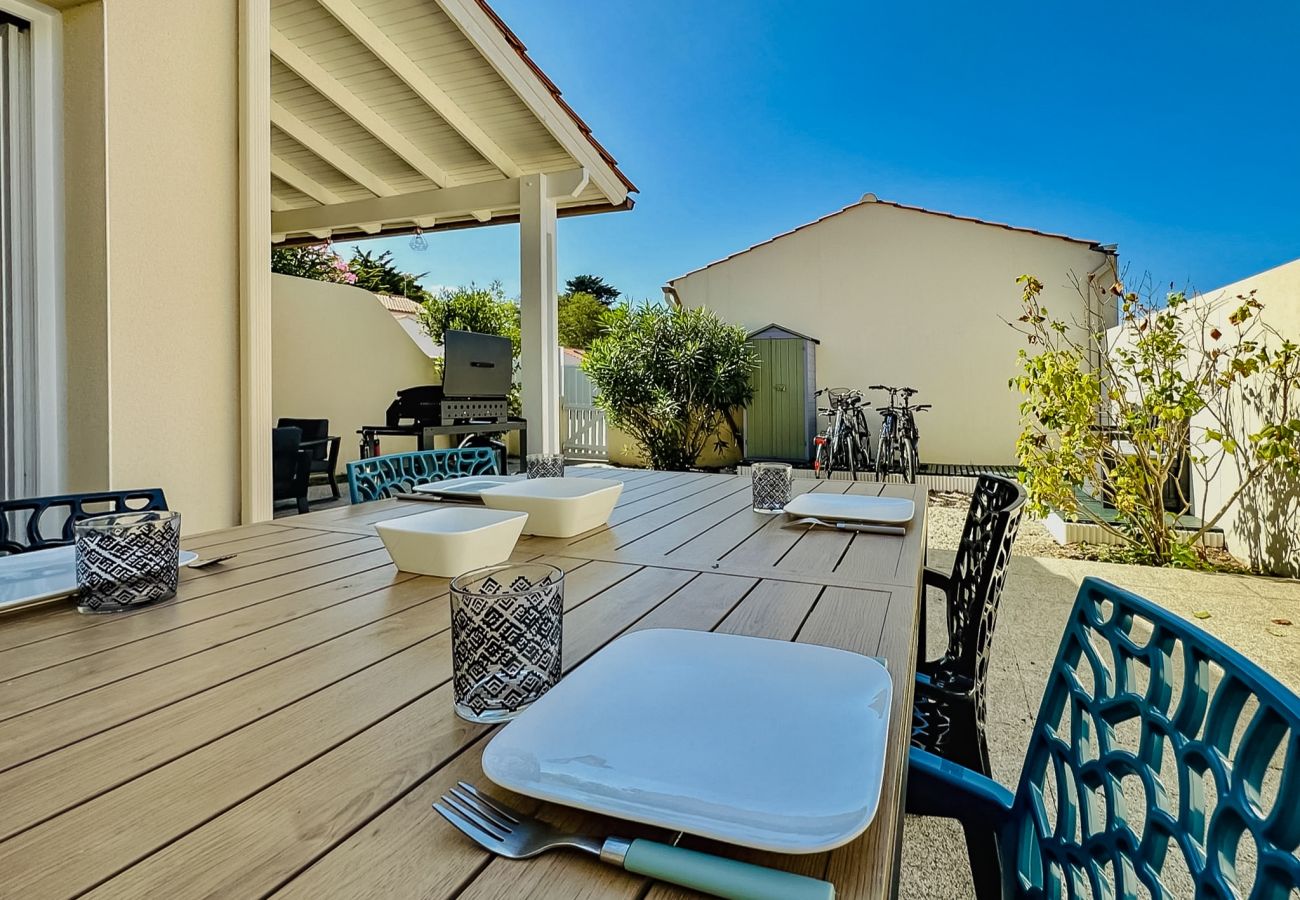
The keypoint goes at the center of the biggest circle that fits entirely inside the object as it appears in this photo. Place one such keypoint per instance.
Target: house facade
(901, 295)
(169, 145)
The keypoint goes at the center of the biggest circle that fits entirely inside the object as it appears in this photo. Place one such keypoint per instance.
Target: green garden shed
(781, 420)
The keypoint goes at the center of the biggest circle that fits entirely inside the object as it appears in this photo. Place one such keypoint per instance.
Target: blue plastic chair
(1159, 755)
(380, 477)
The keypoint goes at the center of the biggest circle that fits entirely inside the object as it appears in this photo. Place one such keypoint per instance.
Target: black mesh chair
(290, 467)
(38, 523)
(324, 449)
(948, 706)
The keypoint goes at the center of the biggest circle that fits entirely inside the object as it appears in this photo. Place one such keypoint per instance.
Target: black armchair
(948, 705)
(290, 467)
(37, 523)
(324, 449)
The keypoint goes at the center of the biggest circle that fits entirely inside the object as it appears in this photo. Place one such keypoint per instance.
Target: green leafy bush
(1175, 389)
(670, 378)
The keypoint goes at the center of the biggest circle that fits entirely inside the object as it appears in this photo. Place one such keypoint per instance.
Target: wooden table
(283, 726)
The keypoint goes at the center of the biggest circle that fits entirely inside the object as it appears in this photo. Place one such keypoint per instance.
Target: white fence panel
(585, 435)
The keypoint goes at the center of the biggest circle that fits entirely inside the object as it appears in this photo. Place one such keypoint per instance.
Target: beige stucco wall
(1263, 525)
(623, 450)
(153, 270)
(906, 298)
(337, 354)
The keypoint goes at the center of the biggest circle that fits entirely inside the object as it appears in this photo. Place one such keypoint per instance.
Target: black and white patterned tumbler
(506, 636)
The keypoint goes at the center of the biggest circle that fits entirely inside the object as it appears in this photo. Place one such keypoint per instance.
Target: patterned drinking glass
(127, 560)
(771, 486)
(506, 632)
(546, 465)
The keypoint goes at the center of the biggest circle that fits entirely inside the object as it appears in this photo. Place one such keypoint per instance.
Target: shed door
(776, 416)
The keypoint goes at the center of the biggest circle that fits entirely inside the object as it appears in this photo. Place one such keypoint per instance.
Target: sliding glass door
(18, 312)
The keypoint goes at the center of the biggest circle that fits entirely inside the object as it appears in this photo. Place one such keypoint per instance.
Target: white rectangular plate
(766, 744)
(41, 575)
(852, 508)
(470, 486)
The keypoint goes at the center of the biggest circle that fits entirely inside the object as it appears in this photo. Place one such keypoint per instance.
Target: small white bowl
(558, 507)
(451, 542)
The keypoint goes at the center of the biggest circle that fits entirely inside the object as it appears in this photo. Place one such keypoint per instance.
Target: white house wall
(904, 297)
(339, 355)
(153, 252)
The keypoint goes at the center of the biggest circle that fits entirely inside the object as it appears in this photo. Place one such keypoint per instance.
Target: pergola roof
(388, 115)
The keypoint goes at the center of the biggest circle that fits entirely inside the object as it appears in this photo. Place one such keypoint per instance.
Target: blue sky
(1171, 129)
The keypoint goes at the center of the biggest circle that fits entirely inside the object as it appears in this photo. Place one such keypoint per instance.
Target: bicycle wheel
(821, 458)
(883, 452)
(851, 453)
(908, 452)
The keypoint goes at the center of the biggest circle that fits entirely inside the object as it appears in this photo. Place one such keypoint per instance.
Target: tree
(472, 308)
(594, 285)
(670, 378)
(378, 273)
(1174, 386)
(581, 318)
(314, 261)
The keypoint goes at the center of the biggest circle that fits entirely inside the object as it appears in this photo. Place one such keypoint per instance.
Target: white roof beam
(378, 43)
(469, 17)
(483, 215)
(444, 203)
(278, 205)
(299, 180)
(327, 150)
(333, 90)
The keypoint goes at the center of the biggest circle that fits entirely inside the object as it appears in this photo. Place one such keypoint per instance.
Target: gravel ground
(947, 515)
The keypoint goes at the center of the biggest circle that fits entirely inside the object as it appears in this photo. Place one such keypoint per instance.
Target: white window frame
(50, 418)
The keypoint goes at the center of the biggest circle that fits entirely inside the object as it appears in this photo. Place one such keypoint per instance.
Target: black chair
(948, 705)
(324, 449)
(38, 523)
(290, 467)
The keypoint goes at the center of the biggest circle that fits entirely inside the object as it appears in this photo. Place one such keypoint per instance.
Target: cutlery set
(504, 831)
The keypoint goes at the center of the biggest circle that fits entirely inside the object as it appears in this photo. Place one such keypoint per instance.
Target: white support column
(255, 259)
(540, 338)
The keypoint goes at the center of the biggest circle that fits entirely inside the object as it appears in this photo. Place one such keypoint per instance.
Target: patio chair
(1162, 764)
(290, 467)
(380, 477)
(324, 449)
(38, 523)
(948, 704)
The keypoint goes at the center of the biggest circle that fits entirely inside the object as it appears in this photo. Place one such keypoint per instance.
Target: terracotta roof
(555, 92)
(872, 199)
(395, 304)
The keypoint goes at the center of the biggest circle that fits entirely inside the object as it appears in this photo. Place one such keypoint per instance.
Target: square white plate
(766, 744)
(467, 487)
(852, 508)
(27, 578)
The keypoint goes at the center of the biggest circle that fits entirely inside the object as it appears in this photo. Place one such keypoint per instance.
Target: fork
(496, 827)
(849, 526)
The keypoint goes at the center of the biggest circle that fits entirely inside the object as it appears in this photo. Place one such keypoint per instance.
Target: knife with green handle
(508, 832)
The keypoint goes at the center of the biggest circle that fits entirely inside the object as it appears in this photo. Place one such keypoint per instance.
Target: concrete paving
(1035, 604)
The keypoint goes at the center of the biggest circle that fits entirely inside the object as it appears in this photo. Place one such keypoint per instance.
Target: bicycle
(899, 447)
(846, 442)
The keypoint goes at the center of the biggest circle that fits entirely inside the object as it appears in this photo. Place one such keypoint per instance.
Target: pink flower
(350, 278)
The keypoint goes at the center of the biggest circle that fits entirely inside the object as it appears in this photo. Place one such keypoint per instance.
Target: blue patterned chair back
(37, 523)
(380, 477)
(1163, 764)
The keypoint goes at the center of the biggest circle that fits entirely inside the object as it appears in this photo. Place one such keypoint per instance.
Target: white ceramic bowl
(451, 542)
(558, 507)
